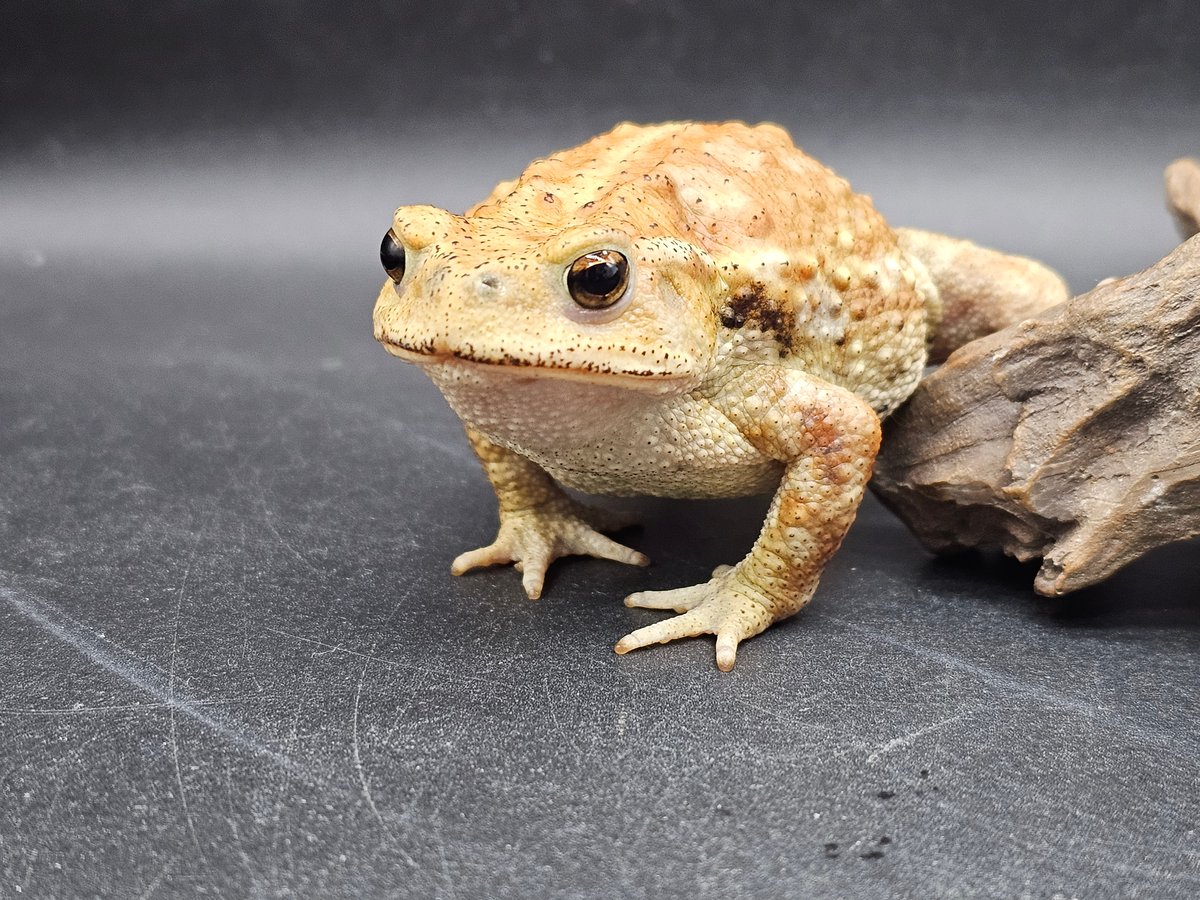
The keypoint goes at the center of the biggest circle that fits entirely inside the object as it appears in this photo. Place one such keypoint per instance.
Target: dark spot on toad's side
(886, 795)
(751, 304)
(884, 841)
(831, 850)
(872, 854)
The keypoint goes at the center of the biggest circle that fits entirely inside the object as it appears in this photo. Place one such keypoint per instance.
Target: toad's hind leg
(980, 290)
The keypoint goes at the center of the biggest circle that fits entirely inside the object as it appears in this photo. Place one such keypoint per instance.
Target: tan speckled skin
(772, 316)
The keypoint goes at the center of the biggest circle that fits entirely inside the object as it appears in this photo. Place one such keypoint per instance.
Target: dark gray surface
(234, 662)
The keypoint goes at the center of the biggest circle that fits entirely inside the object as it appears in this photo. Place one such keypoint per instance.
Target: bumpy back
(815, 276)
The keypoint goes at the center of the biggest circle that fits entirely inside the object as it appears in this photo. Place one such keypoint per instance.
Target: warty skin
(767, 317)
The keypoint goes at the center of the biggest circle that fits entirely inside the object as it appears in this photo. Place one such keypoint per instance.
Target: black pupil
(599, 279)
(391, 254)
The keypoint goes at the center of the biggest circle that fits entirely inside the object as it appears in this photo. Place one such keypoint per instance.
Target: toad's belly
(605, 439)
(678, 478)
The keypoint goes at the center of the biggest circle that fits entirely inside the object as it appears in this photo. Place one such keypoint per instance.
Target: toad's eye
(391, 254)
(597, 280)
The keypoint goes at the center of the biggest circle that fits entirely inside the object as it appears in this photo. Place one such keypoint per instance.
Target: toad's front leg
(827, 437)
(538, 522)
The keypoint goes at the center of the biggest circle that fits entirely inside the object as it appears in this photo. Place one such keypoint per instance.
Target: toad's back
(814, 277)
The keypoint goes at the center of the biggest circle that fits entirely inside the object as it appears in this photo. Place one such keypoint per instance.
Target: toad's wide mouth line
(583, 371)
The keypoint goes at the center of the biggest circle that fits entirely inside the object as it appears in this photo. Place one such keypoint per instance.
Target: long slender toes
(532, 579)
(710, 608)
(474, 559)
(606, 548)
(679, 599)
(534, 562)
(727, 643)
(690, 624)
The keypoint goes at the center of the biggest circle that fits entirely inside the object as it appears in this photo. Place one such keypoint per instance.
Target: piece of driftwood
(1183, 195)
(1074, 436)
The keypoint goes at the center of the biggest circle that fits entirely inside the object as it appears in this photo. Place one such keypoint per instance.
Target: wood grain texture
(1073, 436)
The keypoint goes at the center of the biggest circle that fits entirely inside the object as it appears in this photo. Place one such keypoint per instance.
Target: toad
(683, 310)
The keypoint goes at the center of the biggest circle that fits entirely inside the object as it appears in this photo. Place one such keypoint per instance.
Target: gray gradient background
(233, 661)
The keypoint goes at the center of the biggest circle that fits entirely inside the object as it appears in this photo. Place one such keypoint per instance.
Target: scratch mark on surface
(268, 520)
(153, 886)
(136, 672)
(441, 849)
(1021, 690)
(1124, 846)
(30, 861)
(365, 782)
(550, 706)
(905, 740)
(358, 765)
(118, 708)
(428, 671)
(231, 818)
(294, 733)
(991, 831)
(183, 801)
(791, 721)
(338, 648)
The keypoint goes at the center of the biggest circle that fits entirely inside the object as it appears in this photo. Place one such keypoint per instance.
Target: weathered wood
(1074, 436)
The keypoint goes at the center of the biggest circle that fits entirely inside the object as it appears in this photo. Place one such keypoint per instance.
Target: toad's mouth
(426, 354)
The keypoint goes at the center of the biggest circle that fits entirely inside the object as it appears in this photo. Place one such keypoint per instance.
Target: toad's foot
(724, 605)
(533, 538)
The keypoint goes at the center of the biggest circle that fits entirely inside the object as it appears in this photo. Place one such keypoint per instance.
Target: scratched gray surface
(234, 663)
